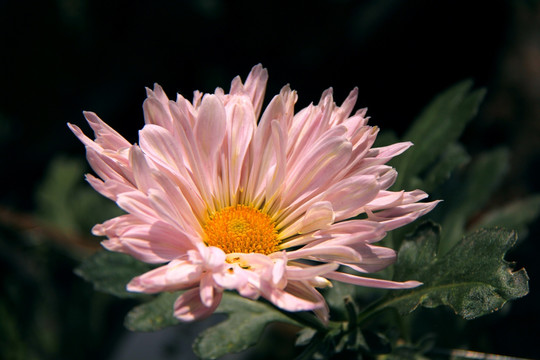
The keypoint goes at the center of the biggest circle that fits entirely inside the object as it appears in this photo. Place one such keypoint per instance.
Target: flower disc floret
(241, 229)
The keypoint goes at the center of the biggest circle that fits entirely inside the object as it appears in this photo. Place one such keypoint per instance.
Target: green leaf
(153, 315)
(241, 330)
(53, 194)
(516, 215)
(65, 200)
(472, 278)
(110, 272)
(453, 157)
(482, 178)
(439, 125)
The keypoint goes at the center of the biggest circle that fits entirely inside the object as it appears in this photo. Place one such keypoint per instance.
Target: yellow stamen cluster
(241, 229)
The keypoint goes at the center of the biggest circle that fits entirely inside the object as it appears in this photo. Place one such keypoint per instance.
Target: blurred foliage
(68, 204)
(110, 272)
(47, 312)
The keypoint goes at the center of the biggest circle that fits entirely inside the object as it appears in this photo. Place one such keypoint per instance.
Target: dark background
(60, 57)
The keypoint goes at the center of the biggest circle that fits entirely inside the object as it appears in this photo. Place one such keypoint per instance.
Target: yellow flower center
(241, 229)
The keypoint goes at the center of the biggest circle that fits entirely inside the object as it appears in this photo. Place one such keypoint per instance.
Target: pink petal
(188, 306)
(370, 282)
(401, 215)
(106, 136)
(309, 272)
(255, 86)
(210, 128)
(319, 216)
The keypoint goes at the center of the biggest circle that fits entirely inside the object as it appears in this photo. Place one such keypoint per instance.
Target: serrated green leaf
(516, 215)
(241, 330)
(153, 315)
(439, 125)
(482, 178)
(472, 278)
(110, 272)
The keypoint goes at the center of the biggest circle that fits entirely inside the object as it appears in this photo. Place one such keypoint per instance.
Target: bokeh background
(59, 57)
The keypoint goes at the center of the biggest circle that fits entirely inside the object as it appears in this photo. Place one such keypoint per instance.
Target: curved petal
(189, 307)
(370, 282)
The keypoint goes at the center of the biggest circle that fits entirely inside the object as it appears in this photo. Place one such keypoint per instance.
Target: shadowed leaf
(242, 329)
(110, 272)
(472, 278)
(438, 126)
(153, 315)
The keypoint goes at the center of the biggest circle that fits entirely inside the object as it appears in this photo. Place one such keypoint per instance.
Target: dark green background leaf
(472, 278)
(516, 215)
(153, 315)
(438, 126)
(242, 329)
(481, 180)
(110, 272)
(65, 200)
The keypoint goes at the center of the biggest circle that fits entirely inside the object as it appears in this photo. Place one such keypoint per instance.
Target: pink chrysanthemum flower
(264, 207)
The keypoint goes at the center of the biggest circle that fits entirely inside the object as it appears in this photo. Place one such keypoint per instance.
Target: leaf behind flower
(110, 272)
(472, 278)
(242, 329)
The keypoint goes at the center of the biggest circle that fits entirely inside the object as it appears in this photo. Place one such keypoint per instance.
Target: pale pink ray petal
(289, 302)
(401, 215)
(276, 178)
(170, 201)
(371, 282)
(108, 168)
(141, 170)
(350, 194)
(210, 129)
(341, 113)
(207, 290)
(304, 272)
(137, 204)
(156, 243)
(388, 199)
(191, 154)
(156, 112)
(374, 258)
(184, 272)
(158, 280)
(87, 142)
(158, 93)
(189, 307)
(260, 154)
(346, 196)
(315, 171)
(329, 253)
(320, 215)
(347, 233)
(233, 277)
(256, 87)
(241, 124)
(303, 290)
(163, 149)
(390, 151)
(106, 136)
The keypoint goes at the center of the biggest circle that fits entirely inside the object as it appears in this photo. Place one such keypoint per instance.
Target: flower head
(227, 201)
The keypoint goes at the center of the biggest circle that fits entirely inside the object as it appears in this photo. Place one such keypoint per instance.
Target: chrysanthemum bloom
(266, 207)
